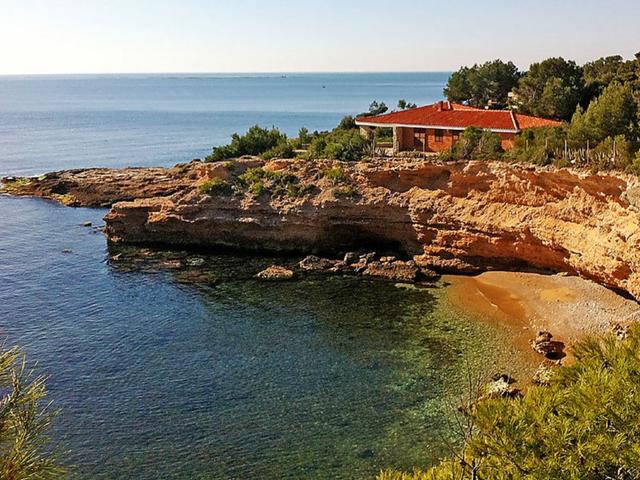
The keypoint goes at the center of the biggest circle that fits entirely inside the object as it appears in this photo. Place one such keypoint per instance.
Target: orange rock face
(454, 217)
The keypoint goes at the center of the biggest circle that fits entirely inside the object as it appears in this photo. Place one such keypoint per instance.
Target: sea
(203, 371)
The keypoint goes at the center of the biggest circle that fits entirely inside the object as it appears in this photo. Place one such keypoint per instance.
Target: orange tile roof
(457, 116)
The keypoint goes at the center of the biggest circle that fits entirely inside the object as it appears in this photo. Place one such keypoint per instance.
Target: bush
(339, 144)
(216, 186)
(336, 175)
(259, 181)
(584, 425)
(612, 153)
(284, 149)
(256, 141)
(541, 145)
(475, 143)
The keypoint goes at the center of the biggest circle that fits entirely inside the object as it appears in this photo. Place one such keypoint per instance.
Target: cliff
(455, 217)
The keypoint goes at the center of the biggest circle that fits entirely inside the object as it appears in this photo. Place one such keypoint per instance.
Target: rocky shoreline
(458, 217)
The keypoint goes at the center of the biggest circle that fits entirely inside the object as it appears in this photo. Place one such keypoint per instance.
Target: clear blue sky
(107, 36)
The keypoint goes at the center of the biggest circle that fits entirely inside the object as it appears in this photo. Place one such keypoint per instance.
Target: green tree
(404, 105)
(375, 108)
(483, 85)
(584, 425)
(615, 112)
(552, 88)
(24, 422)
(601, 73)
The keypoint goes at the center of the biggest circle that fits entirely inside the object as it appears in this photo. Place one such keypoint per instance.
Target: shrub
(339, 144)
(539, 145)
(347, 123)
(216, 186)
(475, 143)
(584, 425)
(259, 181)
(612, 153)
(284, 149)
(256, 141)
(336, 175)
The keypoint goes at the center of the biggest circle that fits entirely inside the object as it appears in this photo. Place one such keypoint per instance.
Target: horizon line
(267, 72)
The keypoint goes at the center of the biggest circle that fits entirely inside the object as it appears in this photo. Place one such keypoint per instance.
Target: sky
(162, 36)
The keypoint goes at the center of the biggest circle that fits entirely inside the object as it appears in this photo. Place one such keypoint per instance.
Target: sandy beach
(568, 307)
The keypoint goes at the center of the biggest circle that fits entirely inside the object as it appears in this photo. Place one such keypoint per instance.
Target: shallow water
(156, 377)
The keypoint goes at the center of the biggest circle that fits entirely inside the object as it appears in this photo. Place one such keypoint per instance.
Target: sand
(568, 307)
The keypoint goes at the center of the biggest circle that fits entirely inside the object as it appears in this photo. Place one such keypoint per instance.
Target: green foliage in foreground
(585, 425)
(475, 143)
(24, 423)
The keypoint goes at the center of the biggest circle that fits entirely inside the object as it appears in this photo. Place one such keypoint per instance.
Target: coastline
(569, 307)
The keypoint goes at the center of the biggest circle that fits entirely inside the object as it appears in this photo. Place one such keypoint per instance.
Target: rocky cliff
(454, 217)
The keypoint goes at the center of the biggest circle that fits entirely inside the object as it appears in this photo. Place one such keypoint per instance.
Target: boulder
(350, 258)
(397, 271)
(544, 345)
(316, 264)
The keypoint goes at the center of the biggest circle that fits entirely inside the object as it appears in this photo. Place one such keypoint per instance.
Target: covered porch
(417, 139)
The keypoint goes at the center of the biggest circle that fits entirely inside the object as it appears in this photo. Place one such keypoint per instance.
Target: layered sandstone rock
(102, 187)
(454, 217)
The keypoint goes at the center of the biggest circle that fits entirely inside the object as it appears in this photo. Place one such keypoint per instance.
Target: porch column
(397, 140)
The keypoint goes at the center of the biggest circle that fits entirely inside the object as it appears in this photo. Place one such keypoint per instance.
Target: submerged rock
(276, 272)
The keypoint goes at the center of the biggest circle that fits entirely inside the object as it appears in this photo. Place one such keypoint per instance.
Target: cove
(169, 364)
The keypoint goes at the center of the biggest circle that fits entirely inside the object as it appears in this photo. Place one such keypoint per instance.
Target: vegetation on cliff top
(583, 425)
(25, 452)
(600, 101)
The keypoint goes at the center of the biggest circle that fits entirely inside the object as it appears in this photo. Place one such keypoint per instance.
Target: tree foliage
(615, 112)
(584, 425)
(552, 88)
(256, 141)
(475, 143)
(24, 422)
(483, 85)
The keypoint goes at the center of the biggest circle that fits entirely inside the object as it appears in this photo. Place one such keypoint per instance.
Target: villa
(436, 127)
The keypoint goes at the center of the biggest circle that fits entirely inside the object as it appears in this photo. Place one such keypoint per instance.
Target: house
(436, 127)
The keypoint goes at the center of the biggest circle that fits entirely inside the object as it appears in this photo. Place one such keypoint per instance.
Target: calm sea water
(55, 122)
(181, 365)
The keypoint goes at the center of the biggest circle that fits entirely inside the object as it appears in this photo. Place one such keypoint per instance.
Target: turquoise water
(181, 365)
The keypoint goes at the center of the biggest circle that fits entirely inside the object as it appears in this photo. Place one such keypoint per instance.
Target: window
(439, 135)
(455, 135)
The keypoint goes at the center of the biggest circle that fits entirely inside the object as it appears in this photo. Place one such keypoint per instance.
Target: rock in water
(397, 271)
(275, 272)
(316, 264)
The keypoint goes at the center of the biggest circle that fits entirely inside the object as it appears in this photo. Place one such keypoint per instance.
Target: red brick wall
(407, 135)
